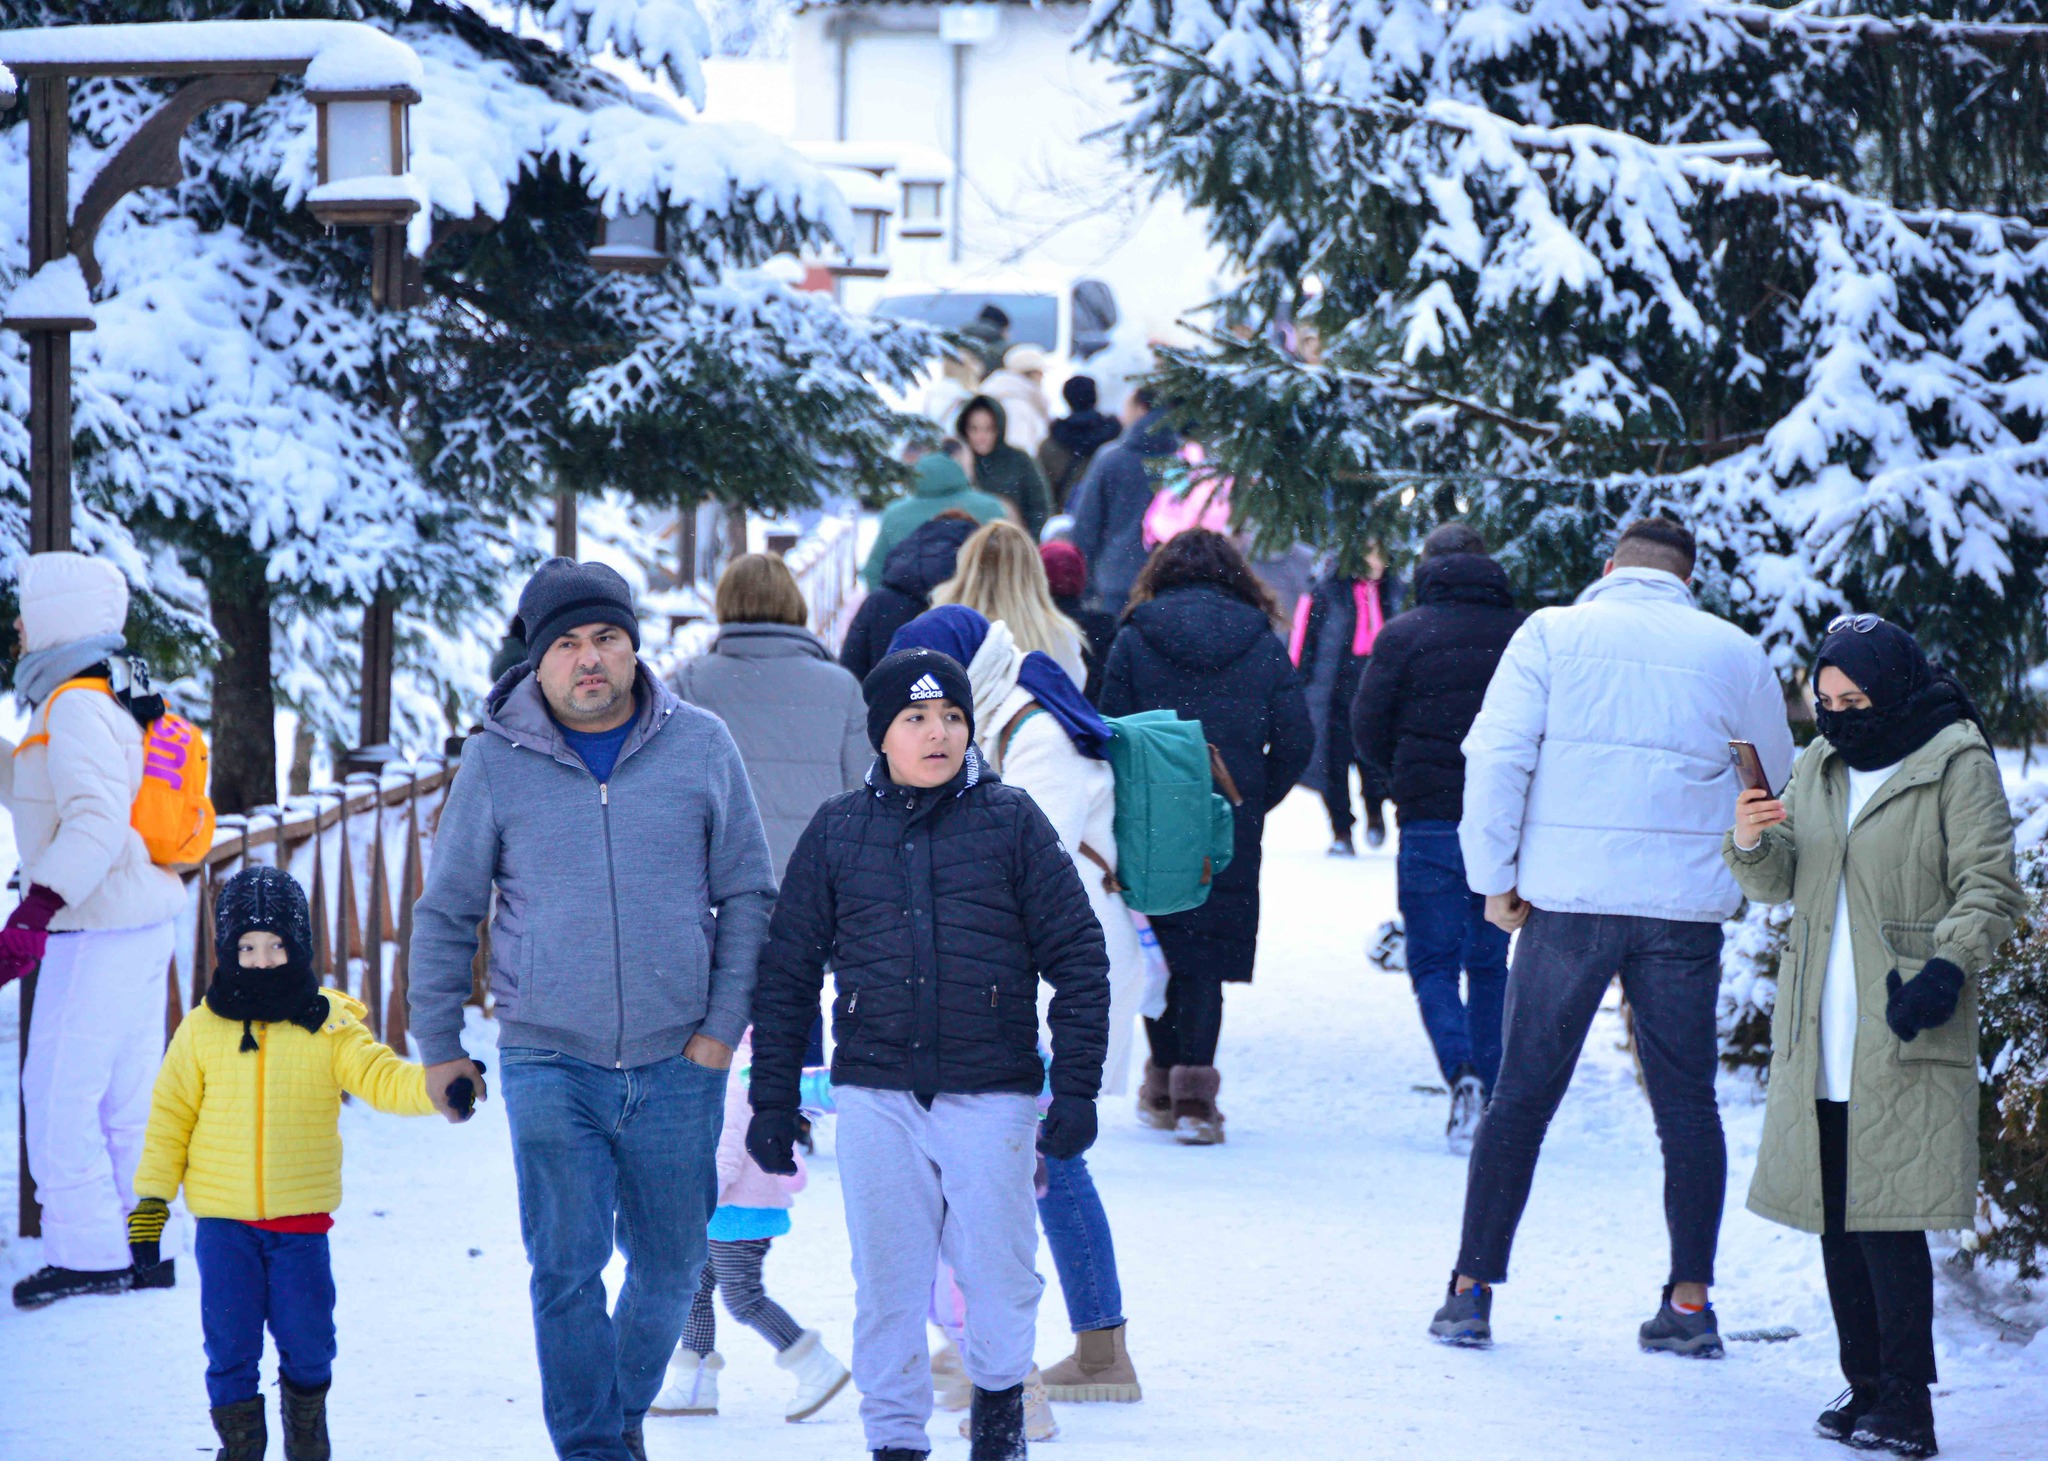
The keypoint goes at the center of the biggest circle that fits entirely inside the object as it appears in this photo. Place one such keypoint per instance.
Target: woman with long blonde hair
(1001, 577)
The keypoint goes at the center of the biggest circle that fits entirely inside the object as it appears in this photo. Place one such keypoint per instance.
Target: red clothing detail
(305, 1222)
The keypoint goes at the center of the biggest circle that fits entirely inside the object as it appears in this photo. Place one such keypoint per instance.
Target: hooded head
(938, 475)
(1910, 699)
(66, 597)
(995, 408)
(264, 900)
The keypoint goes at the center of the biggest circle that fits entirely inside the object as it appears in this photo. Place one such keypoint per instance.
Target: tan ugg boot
(1196, 1121)
(1155, 1099)
(1099, 1369)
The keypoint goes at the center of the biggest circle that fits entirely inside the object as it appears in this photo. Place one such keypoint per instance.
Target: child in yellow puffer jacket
(246, 1117)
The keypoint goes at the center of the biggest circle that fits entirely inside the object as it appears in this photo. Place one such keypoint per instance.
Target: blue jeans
(249, 1278)
(1077, 1231)
(1447, 931)
(610, 1156)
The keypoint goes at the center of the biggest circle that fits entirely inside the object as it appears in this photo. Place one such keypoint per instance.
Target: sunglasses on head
(1861, 623)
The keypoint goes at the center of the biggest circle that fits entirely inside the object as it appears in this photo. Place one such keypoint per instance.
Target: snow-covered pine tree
(1554, 263)
(243, 406)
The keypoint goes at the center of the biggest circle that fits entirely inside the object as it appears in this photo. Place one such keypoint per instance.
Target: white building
(1000, 90)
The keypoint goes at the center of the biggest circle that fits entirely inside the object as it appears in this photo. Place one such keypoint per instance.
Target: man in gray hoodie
(633, 892)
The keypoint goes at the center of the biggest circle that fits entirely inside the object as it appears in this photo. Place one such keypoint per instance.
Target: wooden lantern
(364, 148)
(632, 243)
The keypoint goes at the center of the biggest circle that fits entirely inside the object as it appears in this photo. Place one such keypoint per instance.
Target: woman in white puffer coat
(1039, 734)
(96, 913)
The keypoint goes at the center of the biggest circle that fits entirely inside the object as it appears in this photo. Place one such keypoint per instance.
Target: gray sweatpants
(954, 1181)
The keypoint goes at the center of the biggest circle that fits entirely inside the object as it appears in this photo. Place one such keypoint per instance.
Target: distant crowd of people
(670, 868)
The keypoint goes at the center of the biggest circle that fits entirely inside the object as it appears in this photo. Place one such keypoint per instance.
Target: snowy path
(1277, 1287)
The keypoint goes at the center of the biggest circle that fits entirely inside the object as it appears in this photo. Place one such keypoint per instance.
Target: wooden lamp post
(349, 67)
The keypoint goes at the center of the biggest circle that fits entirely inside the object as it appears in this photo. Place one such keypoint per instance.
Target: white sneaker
(1468, 1099)
(819, 1376)
(1039, 1424)
(692, 1384)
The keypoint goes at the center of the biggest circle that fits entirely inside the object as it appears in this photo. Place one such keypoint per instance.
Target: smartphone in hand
(1749, 767)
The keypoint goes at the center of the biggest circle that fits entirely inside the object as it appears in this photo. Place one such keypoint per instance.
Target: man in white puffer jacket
(1598, 779)
(98, 914)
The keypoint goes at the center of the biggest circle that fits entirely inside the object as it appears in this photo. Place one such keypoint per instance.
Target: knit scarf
(287, 994)
(40, 671)
(1870, 740)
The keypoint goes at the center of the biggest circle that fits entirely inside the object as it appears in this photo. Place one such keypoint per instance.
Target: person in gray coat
(633, 883)
(797, 717)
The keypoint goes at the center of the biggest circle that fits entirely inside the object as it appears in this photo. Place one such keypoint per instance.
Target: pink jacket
(741, 1182)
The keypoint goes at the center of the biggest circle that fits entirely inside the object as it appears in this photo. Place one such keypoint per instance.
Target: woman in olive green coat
(1893, 842)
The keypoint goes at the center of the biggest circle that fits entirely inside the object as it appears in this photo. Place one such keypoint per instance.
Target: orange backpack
(172, 811)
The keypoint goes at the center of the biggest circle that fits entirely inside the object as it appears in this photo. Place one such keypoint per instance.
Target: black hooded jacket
(1070, 446)
(921, 562)
(1207, 654)
(938, 912)
(1007, 472)
(1426, 680)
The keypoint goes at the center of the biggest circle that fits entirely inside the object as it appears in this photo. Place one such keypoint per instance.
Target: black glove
(1924, 1002)
(1069, 1128)
(146, 1231)
(462, 1093)
(771, 1142)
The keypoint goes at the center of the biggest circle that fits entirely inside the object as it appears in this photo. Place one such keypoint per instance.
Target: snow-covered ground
(1277, 1287)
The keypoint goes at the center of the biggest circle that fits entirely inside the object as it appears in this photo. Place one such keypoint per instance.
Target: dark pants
(604, 1157)
(1187, 1031)
(249, 1278)
(1448, 933)
(1880, 1284)
(1338, 759)
(734, 1269)
(1077, 1231)
(1671, 974)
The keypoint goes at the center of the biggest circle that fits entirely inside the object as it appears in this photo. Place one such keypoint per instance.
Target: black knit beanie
(1080, 393)
(264, 900)
(911, 675)
(563, 594)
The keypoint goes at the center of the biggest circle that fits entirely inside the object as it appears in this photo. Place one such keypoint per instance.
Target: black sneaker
(47, 1285)
(1901, 1423)
(1838, 1421)
(1465, 1319)
(1696, 1336)
(900, 1453)
(160, 1275)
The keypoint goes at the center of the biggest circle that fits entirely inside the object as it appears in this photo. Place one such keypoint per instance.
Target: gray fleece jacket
(629, 915)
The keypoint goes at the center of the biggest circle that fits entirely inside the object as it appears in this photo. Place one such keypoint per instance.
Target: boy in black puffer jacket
(939, 897)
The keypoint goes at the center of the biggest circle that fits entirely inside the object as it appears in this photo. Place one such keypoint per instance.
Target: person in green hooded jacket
(1003, 469)
(940, 484)
(1894, 844)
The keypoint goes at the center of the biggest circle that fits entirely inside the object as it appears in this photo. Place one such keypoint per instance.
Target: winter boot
(900, 1453)
(950, 1386)
(1196, 1121)
(243, 1435)
(49, 1284)
(1900, 1424)
(304, 1413)
(996, 1425)
(1375, 827)
(1465, 1319)
(692, 1384)
(1341, 846)
(1696, 1336)
(159, 1275)
(1838, 1421)
(1155, 1099)
(819, 1377)
(1039, 1424)
(1098, 1369)
(1468, 1099)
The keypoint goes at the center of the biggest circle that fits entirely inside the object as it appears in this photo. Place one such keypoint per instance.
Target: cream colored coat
(70, 799)
(1078, 796)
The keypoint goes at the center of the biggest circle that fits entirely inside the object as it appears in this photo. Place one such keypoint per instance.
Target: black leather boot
(304, 1412)
(1902, 1421)
(997, 1425)
(243, 1435)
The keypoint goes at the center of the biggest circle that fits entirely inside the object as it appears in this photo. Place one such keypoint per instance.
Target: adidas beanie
(911, 675)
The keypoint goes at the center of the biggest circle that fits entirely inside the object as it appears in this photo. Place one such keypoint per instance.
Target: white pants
(952, 1181)
(95, 1041)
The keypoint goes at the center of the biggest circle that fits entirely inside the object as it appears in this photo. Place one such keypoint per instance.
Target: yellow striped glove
(146, 1230)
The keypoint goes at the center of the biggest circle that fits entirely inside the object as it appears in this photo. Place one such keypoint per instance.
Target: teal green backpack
(1173, 832)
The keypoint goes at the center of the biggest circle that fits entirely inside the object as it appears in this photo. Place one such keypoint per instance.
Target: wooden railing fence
(360, 850)
(826, 565)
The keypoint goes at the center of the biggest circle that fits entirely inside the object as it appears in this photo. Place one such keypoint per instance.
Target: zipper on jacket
(992, 996)
(262, 1056)
(853, 1002)
(611, 877)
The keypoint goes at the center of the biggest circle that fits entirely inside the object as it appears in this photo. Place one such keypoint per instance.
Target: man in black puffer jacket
(917, 565)
(939, 897)
(1421, 691)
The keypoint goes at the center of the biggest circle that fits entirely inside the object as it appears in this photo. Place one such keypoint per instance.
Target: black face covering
(1910, 700)
(265, 900)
